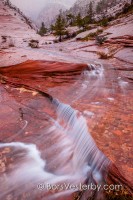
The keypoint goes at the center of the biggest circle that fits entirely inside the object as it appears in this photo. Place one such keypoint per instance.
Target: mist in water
(72, 158)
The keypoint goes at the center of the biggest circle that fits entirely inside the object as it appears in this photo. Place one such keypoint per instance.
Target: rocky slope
(82, 6)
(15, 34)
(15, 28)
(21, 14)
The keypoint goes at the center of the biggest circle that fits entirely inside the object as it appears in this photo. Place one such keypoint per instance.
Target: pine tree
(102, 6)
(70, 18)
(81, 22)
(98, 8)
(90, 12)
(59, 27)
(43, 30)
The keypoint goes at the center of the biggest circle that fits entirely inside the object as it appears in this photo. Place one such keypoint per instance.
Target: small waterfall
(86, 152)
(86, 161)
(73, 149)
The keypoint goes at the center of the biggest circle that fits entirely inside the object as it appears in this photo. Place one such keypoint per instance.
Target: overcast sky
(33, 7)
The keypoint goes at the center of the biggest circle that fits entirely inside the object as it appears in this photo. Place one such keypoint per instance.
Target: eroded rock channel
(64, 123)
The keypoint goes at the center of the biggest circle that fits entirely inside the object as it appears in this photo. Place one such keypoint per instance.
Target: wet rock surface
(104, 99)
(125, 55)
(101, 90)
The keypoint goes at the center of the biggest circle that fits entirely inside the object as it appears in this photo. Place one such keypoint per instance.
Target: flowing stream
(69, 154)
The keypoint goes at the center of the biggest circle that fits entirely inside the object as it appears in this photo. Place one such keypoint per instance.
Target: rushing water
(71, 158)
(84, 160)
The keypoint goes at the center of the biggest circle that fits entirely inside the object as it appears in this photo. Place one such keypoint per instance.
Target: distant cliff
(49, 13)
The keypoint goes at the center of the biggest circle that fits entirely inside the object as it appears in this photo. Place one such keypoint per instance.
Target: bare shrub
(103, 55)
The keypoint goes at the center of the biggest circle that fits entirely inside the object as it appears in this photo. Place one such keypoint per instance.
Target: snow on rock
(123, 27)
(86, 33)
(13, 28)
(114, 10)
(14, 32)
(72, 30)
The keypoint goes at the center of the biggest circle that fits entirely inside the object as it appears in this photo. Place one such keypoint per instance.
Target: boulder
(34, 43)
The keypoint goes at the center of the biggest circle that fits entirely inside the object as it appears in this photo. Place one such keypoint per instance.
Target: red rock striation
(27, 90)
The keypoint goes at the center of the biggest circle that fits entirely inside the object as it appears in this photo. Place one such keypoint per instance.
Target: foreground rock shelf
(101, 96)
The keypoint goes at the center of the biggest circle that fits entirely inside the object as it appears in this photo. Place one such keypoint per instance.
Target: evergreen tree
(90, 13)
(59, 27)
(43, 30)
(70, 18)
(81, 22)
(102, 6)
(98, 8)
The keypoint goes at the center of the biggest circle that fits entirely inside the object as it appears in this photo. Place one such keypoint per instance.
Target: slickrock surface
(13, 27)
(85, 33)
(125, 55)
(119, 38)
(62, 71)
(105, 102)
